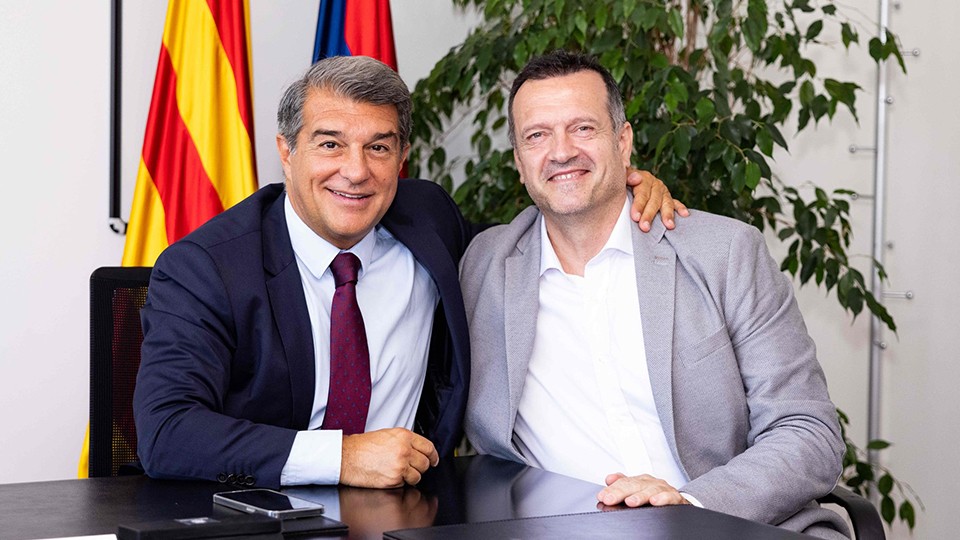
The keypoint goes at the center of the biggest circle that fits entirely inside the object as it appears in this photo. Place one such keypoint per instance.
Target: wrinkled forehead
(324, 106)
(580, 95)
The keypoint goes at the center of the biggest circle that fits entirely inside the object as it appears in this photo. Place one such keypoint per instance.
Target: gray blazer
(741, 397)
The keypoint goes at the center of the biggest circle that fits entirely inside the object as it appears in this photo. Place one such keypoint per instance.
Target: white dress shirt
(587, 408)
(397, 298)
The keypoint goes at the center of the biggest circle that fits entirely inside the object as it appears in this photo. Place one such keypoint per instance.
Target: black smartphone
(268, 502)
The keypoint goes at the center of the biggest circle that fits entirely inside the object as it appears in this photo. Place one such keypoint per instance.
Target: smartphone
(268, 503)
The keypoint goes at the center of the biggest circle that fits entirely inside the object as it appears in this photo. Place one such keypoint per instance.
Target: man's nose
(564, 148)
(355, 167)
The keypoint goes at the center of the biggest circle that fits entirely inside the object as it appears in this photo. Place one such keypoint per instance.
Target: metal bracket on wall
(117, 225)
(906, 295)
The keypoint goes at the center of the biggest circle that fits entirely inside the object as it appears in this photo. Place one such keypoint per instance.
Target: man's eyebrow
(384, 135)
(339, 134)
(548, 123)
(326, 133)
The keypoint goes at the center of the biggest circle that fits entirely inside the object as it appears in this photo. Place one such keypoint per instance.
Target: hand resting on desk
(639, 490)
(386, 458)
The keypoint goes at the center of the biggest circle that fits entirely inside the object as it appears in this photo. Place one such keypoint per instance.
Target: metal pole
(877, 345)
(116, 223)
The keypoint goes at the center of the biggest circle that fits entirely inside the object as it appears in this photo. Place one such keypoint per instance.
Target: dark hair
(360, 78)
(558, 64)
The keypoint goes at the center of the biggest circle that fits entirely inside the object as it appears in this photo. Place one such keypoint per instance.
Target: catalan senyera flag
(355, 28)
(198, 153)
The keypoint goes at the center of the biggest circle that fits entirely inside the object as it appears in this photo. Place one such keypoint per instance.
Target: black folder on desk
(663, 522)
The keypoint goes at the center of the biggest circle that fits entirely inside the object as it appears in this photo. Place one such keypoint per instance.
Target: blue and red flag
(355, 28)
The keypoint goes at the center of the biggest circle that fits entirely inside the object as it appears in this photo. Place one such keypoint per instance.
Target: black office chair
(116, 296)
(863, 515)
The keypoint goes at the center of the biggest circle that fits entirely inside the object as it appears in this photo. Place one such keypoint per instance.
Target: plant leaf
(907, 514)
(885, 484)
(878, 444)
(887, 509)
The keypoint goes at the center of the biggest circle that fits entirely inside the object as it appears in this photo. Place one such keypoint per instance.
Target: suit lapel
(291, 316)
(656, 264)
(521, 303)
(429, 251)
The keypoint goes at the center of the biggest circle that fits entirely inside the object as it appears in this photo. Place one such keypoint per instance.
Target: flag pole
(116, 223)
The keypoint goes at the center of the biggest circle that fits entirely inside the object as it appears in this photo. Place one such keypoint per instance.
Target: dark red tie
(349, 397)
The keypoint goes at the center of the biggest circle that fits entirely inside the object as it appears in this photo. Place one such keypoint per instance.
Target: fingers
(422, 457)
(636, 177)
(412, 476)
(386, 458)
(681, 208)
(660, 199)
(642, 183)
(425, 447)
(651, 196)
(611, 478)
(639, 490)
(667, 498)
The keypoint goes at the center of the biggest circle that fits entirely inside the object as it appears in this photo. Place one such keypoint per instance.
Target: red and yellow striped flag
(198, 155)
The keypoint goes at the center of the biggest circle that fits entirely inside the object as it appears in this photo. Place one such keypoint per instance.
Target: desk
(462, 490)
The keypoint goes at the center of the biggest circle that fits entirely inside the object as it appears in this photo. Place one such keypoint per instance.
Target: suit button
(231, 478)
(222, 478)
(250, 481)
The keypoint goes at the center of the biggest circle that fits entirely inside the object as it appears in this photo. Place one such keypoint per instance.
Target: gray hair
(360, 78)
(560, 63)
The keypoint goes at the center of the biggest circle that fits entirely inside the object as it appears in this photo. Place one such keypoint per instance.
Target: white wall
(54, 113)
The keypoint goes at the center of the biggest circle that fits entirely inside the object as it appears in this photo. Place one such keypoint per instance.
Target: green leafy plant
(862, 477)
(708, 86)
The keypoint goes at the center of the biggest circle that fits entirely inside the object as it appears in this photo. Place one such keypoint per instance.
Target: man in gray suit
(724, 406)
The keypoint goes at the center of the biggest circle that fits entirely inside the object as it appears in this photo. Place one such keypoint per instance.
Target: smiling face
(342, 177)
(571, 158)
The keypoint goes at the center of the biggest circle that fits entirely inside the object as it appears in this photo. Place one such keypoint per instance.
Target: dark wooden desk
(463, 490)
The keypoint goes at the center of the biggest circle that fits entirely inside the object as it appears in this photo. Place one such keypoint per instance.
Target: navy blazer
(227, 374)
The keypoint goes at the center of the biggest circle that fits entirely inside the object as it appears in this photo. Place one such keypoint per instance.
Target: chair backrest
(116, 296)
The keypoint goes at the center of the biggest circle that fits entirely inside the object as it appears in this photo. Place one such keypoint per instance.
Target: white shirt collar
(620, 239)
(316, 252)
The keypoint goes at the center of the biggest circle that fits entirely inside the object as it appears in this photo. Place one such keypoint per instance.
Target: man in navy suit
(235, 373)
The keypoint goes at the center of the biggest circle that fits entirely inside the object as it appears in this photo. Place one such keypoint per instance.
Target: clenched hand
(386, 458)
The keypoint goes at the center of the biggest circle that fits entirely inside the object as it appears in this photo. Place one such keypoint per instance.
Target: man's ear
(625, 140)
(284, 150)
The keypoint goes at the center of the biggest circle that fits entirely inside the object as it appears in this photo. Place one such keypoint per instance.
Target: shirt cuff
(691, 499)
(314, 458)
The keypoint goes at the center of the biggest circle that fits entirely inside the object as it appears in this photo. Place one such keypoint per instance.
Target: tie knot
(345, 268)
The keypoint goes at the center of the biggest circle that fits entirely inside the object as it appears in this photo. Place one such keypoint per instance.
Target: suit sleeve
(794, 447)
(184, 378)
